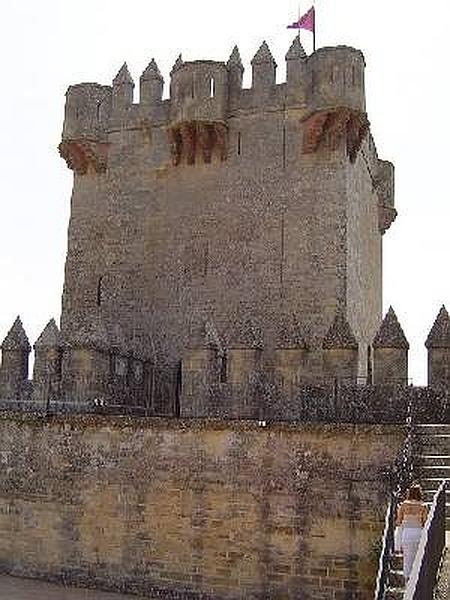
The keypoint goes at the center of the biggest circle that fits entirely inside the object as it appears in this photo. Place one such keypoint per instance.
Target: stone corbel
(80, 155)
(328, 128)
(206, 140)
(221, 133)
(188, 133)
(190, 139)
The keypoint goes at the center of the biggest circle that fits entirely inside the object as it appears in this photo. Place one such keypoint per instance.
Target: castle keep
(220, 236)
(221, 233)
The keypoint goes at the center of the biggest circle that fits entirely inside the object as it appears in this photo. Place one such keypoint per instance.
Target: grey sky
(48, 45)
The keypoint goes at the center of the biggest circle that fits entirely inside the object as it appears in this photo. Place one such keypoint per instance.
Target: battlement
(327, 87)
(238, 380)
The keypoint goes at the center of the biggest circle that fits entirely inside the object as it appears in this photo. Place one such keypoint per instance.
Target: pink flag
(305, 22)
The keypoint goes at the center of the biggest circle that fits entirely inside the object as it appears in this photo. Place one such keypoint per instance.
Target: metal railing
(403, 477)
(387, 549)
(422, 581)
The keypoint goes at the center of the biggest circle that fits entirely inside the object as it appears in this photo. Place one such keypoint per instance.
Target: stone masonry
(225, 209)
(223, 243)
(223, 272)
(193, 510)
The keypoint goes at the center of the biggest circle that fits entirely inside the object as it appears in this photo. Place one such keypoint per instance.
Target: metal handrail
(403, 479)
(426, 563)
(386, 550)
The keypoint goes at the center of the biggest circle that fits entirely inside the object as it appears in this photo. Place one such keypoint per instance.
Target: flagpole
(299, 15)
(314, 28)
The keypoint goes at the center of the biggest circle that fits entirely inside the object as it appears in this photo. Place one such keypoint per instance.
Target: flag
(305, 22)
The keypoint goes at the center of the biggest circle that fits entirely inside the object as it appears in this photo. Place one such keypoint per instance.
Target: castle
(221, 236)
(223, 267)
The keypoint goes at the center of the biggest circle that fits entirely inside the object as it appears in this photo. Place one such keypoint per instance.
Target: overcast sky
(47, 45)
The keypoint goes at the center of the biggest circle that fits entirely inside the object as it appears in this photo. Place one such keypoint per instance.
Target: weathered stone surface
(296, 51)
(50, 337)
(16, 338)
(439, 336)
(390, 333)
(194, 509)
(390, 352)
(340, 334)
(438, 346)
(205, 207)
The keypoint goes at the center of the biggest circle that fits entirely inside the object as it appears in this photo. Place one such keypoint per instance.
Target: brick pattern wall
(195, 509)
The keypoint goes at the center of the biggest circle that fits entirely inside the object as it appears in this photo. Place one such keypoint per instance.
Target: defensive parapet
(340, 352)
(198, 111)
(47, 369)
(328, 87)
(84, 142)
(336, 79)
(390, 352)
(236, 378)
(14, 367)
(438, 346)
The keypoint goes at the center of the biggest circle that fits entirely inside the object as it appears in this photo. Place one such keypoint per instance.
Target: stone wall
(195, 509)
(222, 204)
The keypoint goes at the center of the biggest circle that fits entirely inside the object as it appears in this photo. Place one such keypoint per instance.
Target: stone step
(396, 562)
(431, 460)
(394, 594)
(431, 483)
(396, 579)
(429, 494)
(432, 472)
(431, 429)
(432, 444)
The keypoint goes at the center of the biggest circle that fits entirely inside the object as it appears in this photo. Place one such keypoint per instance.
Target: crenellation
(151, 85)
(336, 79)
(122, 90)
(390, 352)
(84, 142)
(296, 74)
(15, 361)
(438, 347)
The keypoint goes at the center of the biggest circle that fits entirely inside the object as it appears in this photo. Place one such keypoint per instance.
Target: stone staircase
(431, 464)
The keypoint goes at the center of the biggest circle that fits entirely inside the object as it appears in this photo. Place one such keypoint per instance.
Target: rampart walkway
(14, 588)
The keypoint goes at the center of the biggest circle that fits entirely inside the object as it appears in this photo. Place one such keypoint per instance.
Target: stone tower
(438, 346)
(226, 205)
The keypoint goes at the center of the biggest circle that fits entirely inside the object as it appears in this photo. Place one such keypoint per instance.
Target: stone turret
(290, 353)
(199, 372)
(245, 350)
(48, 351)
(86, 366)
(296, 69)
(235, 76)
(198, 112)
(14, 368)
(122, 90)
(390, 356)
(336, 101)
(151, 84)
(263, 70)
(340, 352)
(84, 143)
(438, 346)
